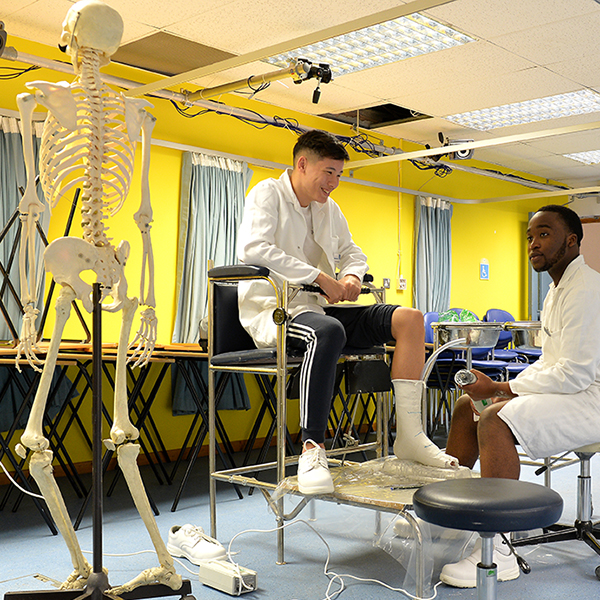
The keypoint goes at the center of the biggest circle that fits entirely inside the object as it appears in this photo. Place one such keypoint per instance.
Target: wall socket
(401, 283)
(386, 283)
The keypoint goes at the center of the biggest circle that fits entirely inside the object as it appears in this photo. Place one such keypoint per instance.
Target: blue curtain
(433, 254)
(212, 203)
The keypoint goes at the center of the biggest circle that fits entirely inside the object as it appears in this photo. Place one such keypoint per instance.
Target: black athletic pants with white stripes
(322, 338)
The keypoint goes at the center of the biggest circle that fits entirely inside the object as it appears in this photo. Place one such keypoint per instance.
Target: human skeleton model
(88, 141)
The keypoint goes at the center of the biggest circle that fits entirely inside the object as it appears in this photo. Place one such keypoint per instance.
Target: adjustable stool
(488, 506)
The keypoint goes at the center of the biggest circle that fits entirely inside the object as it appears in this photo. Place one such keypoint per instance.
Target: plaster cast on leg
(411, 442)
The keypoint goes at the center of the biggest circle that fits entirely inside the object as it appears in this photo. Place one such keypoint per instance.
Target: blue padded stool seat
(488, 506)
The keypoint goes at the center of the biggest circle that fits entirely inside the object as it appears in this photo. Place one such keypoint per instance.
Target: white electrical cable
(18, 486)
(333, 577)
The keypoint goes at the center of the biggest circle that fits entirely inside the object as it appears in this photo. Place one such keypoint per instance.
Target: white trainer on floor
(189, 541)
(463, 574)
(313, 472)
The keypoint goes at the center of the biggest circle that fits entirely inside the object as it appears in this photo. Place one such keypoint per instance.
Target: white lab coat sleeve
(257, 244)
(574, 353)
(350, 258)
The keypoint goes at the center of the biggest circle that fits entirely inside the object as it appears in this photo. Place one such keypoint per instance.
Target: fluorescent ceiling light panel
(540, 109)
(592, 157)
(377, 45)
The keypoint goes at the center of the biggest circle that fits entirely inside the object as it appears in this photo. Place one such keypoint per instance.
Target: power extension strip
(225, 576)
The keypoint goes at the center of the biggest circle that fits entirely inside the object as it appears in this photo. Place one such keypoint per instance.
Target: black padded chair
(231, 349)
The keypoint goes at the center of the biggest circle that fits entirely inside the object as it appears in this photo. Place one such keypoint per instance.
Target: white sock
(411, 442)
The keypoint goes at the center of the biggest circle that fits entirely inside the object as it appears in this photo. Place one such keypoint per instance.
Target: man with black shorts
(293, 227)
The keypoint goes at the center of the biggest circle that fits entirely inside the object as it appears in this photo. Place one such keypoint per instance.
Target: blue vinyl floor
(31, 558)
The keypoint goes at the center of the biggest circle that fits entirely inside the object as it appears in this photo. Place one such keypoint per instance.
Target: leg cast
(411, 442)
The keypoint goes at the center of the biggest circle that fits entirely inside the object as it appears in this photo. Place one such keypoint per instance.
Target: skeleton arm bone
(56, 97)
(143, 217)
(30, 208)
(145, 338)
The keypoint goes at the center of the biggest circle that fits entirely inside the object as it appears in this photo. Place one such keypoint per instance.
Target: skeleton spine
(92, 212)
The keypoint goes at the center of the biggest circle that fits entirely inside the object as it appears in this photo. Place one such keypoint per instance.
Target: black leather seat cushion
(488, 504)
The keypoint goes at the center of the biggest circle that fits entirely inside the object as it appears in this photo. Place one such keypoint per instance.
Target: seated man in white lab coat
(552, 406)
(293, 227)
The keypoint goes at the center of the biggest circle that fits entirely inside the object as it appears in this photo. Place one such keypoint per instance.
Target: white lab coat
(272, 235)
(558, 403)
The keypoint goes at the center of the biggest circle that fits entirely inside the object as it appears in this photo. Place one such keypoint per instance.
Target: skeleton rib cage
(102, 168)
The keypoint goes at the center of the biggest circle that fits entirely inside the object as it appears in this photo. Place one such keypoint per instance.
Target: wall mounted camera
(460, 154)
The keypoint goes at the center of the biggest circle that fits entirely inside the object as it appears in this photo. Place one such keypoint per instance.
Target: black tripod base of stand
(154, 590)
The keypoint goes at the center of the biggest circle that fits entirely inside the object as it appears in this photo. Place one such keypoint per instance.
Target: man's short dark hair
(569, 217)
(320, 143)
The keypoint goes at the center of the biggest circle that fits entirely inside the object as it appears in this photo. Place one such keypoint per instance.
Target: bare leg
(497, 445)
(462, 439)
(409, 334)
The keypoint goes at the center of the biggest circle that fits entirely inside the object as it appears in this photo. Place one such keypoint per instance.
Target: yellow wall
(492, 231)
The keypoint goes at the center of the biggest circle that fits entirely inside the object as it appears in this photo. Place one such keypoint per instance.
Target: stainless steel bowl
(476, 334)
(527, 335)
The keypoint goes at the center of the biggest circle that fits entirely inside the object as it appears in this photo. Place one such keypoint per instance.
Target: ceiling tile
(511, 87)
(558, 41)
(494, 18)
(40, 21)
(472, 62)
(247, 25)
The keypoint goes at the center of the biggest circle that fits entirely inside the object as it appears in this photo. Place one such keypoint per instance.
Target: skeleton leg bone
(166, 574)
(41, 460)
(40, 466)
(33, 436)
(122, 434)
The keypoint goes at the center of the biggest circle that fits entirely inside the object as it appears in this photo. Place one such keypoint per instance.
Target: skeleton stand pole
(98, 579)
(97, 583)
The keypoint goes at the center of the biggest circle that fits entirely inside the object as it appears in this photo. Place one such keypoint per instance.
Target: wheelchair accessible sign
(484, 269)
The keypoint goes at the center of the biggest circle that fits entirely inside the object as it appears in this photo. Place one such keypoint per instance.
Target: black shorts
(365, 326)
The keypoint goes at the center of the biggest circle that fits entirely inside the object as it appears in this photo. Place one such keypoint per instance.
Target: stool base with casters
(488, 506)
(584, 529)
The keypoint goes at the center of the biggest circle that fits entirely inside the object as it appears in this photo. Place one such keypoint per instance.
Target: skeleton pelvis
(65, 258)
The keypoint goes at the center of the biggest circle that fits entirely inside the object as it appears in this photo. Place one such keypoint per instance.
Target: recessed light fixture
(591, 157)
(540, 109)
(377, 45)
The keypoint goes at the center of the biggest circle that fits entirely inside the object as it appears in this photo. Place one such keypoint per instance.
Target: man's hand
(485, 388)
(348, 288)
(353, 285)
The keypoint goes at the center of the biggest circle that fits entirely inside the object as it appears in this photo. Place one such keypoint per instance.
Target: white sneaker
(192, 543)
(313, 473)
(463, 574)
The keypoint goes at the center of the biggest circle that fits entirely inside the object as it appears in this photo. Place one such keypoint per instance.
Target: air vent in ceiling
(168, 54)
(376, 117)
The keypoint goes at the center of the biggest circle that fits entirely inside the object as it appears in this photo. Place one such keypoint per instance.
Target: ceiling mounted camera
(464, 154)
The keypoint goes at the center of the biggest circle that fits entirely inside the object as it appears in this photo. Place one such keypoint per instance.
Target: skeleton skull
(91, 24)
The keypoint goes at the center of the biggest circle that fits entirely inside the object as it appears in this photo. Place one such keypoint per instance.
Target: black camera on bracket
(321, 72)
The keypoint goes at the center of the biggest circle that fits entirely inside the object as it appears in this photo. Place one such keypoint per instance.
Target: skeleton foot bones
(89, 142)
